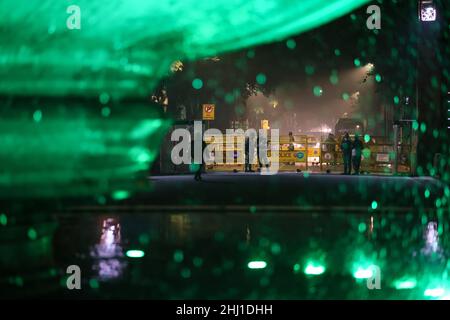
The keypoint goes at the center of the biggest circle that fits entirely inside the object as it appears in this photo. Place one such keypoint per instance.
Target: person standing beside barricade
(356, 154)
(248, 154)
(330, 144)
(346, 147)
(291, 147)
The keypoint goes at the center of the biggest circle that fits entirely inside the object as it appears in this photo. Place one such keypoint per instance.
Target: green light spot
(438, 203)
(362, 227)
(334, 79)
(251, 54)
(37, 116)
(197, 84)
(374, 205)
(106, 112)
(357, 62)
(423, 127)
(3, 219)
(144, 239)
(178, 256)
(291, 44)
(317, 90)
(408, 283)
(104, 98)
(309, 70)
(257, 264)
(93, 283)
(427, 193)
(362, 273)
(415, 125)
(366, 138)
(377, 78)
(120, 195)
(19, 281)
(261, 78)
(252, 209)
(229, 98)
(345, 96)
(366, 153)
(353, 17)
(275, 248)
(314, 269)
(434, 292)
(186, 273)
(198, 262)
(435, 133)
(296, 268)
(32, 234)
(337, 52)
(135, 253)
(396, 99)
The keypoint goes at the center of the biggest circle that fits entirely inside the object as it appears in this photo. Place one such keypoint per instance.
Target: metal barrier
(310, 153)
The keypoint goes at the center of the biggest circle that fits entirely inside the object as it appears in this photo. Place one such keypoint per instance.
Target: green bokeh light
(434, 292)
(309, 70)
(291, 44)
(120, 195)
(197, 84)
(317, 90)
(363, 273)
(135, 253)
(261, 78)
(32, 234)
(314, 268)
(3, 219)
(396, 100)
(37, 116)
(405, 283)
(257, 264)
(374, 205)
(178, 256)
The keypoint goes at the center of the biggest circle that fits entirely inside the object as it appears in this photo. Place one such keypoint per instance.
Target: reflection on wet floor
(108, 252)
(233, 255)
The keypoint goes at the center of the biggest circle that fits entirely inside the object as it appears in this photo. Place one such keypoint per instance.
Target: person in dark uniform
(346, 147)
(201, 166)
(330, 144)
(262, 159)
(248, 152)
(291, 141)
(356, 154)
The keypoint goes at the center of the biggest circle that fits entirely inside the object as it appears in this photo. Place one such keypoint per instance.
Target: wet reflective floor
(228, 255)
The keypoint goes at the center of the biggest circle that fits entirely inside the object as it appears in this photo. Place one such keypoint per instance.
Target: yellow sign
(291, 156)
(208, 111)
(265, 124)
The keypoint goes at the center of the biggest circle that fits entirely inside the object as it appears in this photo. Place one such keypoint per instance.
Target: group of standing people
(351, 153)
(248, 154)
